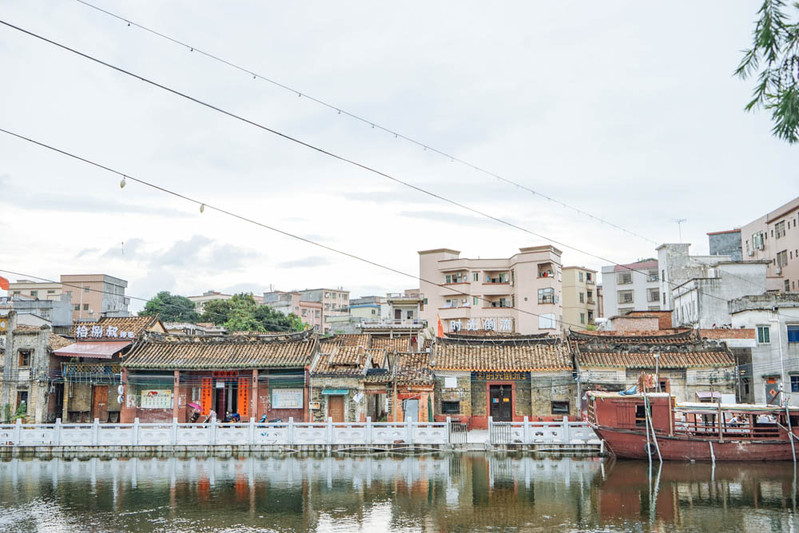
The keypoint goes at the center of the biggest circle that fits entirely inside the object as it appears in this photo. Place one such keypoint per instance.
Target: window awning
(96, 350)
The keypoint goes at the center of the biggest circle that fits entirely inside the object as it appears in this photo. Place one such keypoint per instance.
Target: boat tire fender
(650, 449)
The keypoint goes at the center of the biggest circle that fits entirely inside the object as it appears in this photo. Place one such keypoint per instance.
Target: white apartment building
(579, 297)
(630, 287)
(520, 294)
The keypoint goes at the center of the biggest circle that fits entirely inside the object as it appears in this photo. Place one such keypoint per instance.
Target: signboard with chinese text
(287, 398)
(498, 324)
(499, 375)
(99, 332)
(156, 399)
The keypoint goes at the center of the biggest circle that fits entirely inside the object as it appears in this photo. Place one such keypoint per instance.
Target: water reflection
(431, 493)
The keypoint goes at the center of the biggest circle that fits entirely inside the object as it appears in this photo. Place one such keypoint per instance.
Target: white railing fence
(535, 433)
(289, 433)
(214, 433)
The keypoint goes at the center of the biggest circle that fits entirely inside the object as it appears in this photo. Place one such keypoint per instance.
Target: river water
(477, 492)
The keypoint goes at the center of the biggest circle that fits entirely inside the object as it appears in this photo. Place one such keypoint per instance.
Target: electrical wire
(270, 228)
(374, 125)
(317, 149)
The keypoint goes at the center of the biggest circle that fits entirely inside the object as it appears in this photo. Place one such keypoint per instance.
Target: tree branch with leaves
(774, 56)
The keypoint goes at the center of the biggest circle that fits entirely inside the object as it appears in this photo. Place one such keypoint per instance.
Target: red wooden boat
(692, 431)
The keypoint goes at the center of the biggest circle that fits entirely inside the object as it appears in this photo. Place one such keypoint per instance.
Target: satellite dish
(120, 390)
(120, 399)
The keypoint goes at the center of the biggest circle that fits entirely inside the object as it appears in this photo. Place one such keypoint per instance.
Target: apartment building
(579, 297)
(520, 294)
(92, 295)
(335, 303)
(631, 287)
(95, 296)
(774, 237)
(292, 302)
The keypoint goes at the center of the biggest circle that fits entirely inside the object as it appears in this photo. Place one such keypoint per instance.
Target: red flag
(440, 327)
(3, 283)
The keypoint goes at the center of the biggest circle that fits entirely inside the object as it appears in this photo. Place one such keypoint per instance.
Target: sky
(627, 111)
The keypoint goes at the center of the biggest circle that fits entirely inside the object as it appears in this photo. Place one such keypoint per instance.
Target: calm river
(386, 494)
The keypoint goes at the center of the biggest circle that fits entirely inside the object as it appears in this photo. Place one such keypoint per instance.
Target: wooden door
(501, 403)
(100, 403)
(335, 408)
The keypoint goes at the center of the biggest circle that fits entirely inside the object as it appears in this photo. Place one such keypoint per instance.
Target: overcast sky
(625, 110)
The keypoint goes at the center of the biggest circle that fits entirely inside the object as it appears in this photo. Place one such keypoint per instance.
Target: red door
(100, 403)
(335, 408)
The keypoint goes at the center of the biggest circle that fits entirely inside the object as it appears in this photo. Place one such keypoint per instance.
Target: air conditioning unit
(751, 253)
(778, 271)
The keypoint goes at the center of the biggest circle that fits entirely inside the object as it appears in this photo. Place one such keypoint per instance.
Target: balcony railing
(397, 323)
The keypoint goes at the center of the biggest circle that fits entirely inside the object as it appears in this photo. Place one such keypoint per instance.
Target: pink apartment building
(520, 294)
(775, 238)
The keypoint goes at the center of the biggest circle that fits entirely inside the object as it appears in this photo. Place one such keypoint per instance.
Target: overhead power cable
(373, 124)
(320, 150)
(206, 205)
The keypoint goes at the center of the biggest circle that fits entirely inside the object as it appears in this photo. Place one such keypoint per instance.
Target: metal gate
(499, 432)
(457, 433)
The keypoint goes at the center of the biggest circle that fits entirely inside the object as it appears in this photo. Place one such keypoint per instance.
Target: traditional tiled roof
(395, 344)
(57, 342)
(676, 336)
(348, 339)
(413, 368)
(343, 361)
(222, 353)
(540, 354)
(135, 324)
(688, 355)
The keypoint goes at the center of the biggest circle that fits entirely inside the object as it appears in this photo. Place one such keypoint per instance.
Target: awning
(708, 394)
(96, 350)
(335, 392)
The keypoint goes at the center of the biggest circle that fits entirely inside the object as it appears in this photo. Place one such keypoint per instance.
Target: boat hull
(626, 444)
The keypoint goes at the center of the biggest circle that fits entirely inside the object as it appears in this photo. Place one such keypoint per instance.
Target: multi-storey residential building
(519, 294)
(677, 266)
(292, 302)
(631, 287)
(701, 302)
(92, 295)
(35, 289)
(775, 238)
(774, 371)
(370, 308)
(335, 302)
(95, 296)
(207, 296)
(579, 297)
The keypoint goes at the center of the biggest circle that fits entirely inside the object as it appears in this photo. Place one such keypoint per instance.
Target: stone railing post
(135, 432)
(290, 430)
(566, 431)
(252, 431)
(526, 430)
(174, 432)
(96, 432)
(449, 430)
(17, 432)
(330, 430)
(368, 429)
(409, 430)
(490, 430)
(212, 432)
(57, 432)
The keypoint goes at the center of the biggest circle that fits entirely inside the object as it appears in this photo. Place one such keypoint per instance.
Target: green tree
(242, 313)
(170, 308)
(775, 57)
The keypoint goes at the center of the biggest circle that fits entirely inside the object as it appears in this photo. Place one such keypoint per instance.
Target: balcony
(90, 372)
(398, 323)
(590, 301)
(496, 278)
